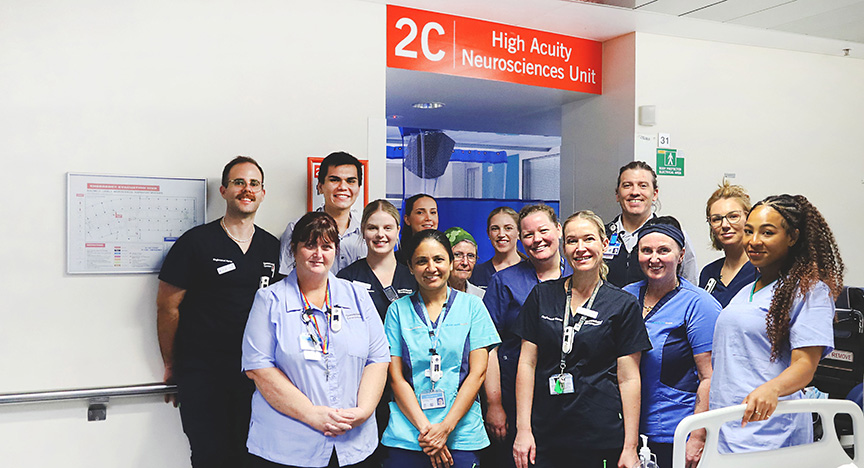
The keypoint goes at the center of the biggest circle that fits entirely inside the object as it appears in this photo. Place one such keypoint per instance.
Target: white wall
(781, 121)
(167, 88)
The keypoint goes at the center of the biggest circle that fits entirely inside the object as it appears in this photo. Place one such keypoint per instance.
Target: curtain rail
(87, 393)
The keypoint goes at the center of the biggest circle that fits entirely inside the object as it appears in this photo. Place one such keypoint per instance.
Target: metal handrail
(88, 393)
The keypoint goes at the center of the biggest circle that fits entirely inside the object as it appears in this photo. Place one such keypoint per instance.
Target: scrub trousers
(215, 407)
(401, 458)
(569, 458)
(258, 462)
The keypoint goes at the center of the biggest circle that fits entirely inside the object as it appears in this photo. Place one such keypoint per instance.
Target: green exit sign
(668, 162)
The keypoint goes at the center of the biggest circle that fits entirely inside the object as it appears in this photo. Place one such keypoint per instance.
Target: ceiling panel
(791, 12)
(846, 20)
(677, 7)
(733, 9)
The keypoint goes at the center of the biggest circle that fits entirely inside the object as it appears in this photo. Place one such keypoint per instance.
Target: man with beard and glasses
(207, 284)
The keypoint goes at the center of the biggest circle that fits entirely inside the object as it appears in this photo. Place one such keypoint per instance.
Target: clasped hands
(433, 441)
(334, 422)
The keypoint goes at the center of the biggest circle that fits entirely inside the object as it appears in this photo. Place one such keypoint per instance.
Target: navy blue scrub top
(724, 294)
(360, 272)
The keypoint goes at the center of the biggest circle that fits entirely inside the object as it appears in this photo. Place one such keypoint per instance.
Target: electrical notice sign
(454, 45)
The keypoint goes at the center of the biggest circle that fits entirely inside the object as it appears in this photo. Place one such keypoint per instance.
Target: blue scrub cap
(666, 229)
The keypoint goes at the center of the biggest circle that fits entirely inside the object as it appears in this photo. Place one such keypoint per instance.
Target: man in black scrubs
(207, 284)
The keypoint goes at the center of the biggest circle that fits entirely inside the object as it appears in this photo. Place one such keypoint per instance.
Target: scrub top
(352, 247)
(361, 274)
(483, 274)
(220, 282)
(742, 362)
(277, 336)
(590, 418)
(680, 326)
(504, 298)
(725, 293)
(463, 327)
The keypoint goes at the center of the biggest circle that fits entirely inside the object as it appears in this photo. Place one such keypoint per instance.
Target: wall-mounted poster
(315, 200)
(127, 224)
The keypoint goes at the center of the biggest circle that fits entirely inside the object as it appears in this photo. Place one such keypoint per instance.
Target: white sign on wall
(127, 224)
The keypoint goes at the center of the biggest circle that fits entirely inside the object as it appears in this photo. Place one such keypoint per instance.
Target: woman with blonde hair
(726, 212)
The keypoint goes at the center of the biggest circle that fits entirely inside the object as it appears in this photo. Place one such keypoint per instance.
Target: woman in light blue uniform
(770, 338)
(679, 317)
(439, 345)
(314, 346)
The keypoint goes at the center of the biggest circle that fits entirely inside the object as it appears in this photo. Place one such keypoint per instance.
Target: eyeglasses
(460, 255)
(254, 185)
(733, 217)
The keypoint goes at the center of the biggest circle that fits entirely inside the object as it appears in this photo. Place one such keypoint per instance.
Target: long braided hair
(814, 257)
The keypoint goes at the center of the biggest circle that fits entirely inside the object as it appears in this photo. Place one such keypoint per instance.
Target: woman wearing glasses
(315, 347)
(465, 258)
(727, 210)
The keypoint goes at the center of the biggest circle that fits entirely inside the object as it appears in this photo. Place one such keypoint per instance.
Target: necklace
(239, 241)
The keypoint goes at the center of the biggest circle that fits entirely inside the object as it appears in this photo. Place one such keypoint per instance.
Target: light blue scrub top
(742, 362)
(273, 339)
(466, 327)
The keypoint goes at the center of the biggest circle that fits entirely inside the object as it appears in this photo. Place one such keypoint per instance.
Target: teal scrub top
(465, 327)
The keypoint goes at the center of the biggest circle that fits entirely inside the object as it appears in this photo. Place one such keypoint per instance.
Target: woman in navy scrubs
(676, 373)
(502, 227)
(380, 273)
(726, 212)
(540, 234)
(578, 386)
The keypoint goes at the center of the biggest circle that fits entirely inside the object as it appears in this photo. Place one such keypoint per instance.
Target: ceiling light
(428, 105)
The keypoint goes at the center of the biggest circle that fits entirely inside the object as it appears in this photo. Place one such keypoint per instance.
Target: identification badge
(433, 399)
(612, 250)
(226, 268)
(313, 355)
(560, 384)
(391, 293)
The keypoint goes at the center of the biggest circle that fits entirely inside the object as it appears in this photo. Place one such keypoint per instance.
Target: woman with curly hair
(771, 336)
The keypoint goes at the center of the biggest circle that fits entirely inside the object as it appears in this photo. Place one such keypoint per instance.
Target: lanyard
(434, 330)
(570, 331)
(323, 339)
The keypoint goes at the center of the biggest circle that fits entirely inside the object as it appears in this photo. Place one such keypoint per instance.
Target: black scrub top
(220, 283)
(590, 418)
(360, 272)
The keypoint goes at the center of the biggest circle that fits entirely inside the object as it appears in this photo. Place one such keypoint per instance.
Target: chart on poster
(126, 224)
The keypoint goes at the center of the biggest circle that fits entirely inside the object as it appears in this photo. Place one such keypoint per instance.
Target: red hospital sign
(454, 45)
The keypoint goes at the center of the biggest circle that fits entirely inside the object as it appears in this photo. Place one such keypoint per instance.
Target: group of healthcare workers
(571, 363)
